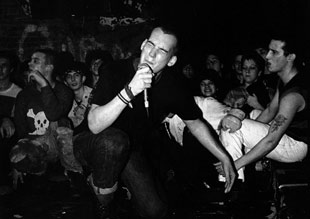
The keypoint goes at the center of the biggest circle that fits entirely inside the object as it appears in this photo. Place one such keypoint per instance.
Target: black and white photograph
(154, 109)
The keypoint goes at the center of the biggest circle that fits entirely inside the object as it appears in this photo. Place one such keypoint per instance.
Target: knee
(28, 156)
(115, 141)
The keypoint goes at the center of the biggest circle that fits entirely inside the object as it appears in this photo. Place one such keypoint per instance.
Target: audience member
(120, 126)
(8, 93)
(94, 60)
(280, 132)
(236, 68)
(270, 80)
(262, 51)
(40, 109)
(75, 77)
(214, 60)
(252, 94)
(209, 84)
(189, 71)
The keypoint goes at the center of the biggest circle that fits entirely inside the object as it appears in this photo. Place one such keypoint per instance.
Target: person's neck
(5, 84)
(247, 84)
(287, 74)
(78, 94)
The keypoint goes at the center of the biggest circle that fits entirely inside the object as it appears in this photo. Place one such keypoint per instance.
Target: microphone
(146, 101)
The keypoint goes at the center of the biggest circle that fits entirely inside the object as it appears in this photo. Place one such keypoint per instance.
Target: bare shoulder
(292, 100)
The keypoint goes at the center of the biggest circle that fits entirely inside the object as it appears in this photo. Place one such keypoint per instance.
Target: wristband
(129, 92)
(120, 96)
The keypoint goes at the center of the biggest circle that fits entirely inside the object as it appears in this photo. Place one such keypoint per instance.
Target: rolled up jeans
(105, 154)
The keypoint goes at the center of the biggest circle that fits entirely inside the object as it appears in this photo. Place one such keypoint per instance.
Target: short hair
(215, 52)
(76, 66)
(292, 45)
(290, 42)
(258, 59)
(50, 55)
(210, 74)
(171, 30)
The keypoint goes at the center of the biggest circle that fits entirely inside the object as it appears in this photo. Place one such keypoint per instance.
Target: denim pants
(104, 154)
(108, 156)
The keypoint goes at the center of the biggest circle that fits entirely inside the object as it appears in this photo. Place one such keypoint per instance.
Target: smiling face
(75, 80)
(207, 88)
(158, 50)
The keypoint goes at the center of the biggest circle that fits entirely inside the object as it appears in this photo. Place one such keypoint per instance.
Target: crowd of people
(125, 121)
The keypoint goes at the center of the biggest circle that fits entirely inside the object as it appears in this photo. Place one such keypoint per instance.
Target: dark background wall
(81, 25)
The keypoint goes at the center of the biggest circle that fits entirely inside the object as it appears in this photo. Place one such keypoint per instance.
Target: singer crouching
(131, 99)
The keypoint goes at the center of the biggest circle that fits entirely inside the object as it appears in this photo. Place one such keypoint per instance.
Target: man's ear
(291, 57)
(143, 44)
(83, 79)
(172, 61)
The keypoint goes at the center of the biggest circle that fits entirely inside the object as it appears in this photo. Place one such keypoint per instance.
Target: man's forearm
(208, 139)
(101, 117)
(265, 117)
(56, 104)
(261, 149)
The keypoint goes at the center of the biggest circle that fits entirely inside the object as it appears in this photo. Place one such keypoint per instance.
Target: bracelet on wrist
(129, 92)
(122, 98)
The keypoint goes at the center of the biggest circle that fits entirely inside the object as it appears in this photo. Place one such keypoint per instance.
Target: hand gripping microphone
(146, 101)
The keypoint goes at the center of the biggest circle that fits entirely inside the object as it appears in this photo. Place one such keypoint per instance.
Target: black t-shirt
(168, 95)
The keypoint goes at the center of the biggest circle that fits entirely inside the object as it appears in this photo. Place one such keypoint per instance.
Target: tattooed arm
(288, 106)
